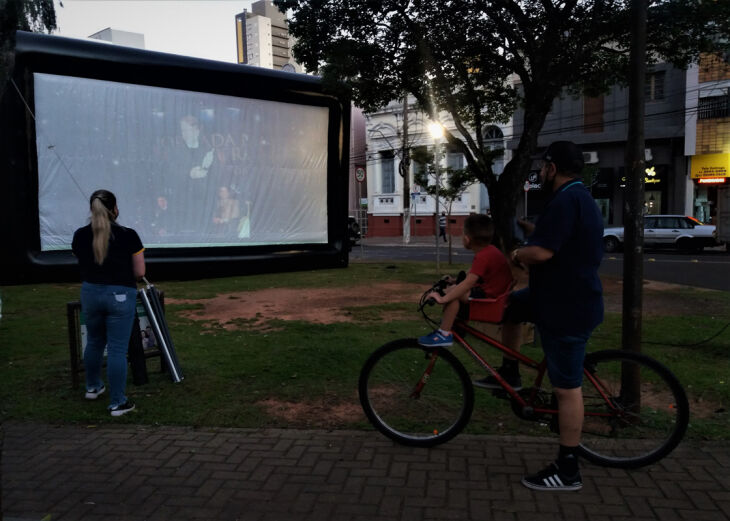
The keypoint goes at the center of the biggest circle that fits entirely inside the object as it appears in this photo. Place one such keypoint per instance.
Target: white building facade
(388, 201)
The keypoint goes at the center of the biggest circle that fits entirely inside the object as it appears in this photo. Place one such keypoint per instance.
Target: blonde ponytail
(103, 204)
(101, 228)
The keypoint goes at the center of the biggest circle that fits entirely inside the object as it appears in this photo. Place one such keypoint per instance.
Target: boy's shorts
(477, 292)
(518, 307)
(564, 353)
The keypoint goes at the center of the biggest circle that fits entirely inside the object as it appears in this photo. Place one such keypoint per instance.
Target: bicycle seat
(488, 309)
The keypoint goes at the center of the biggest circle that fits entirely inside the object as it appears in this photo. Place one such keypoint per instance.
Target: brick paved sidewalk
(176, 473)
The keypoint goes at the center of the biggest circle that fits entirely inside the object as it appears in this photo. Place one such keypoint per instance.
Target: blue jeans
(109, 313)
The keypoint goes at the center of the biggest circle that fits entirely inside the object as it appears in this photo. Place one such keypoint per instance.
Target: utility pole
(437, 131)
(437, 159)
(405, 172)
(635, 164)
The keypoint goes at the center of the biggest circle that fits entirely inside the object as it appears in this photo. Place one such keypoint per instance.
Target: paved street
(708, 269)
(129, 473)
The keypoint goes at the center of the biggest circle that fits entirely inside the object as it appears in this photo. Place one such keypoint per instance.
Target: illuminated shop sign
(653, 178)
(710, 166)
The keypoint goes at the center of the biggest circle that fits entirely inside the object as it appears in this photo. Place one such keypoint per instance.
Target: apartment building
(263, 39)
(707, 138)
(599, 125)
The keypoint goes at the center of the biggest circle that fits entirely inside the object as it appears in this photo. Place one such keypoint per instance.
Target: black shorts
(518, 308)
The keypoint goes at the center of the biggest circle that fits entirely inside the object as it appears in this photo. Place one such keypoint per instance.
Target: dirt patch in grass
(253, 309)
(327, 413)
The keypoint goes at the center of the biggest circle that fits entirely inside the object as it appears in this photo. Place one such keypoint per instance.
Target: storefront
(708, 171)
(655, 188)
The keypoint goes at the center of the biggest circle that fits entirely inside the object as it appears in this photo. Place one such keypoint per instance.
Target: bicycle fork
(416, 393)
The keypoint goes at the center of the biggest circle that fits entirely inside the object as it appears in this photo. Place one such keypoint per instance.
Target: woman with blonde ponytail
(111, 260)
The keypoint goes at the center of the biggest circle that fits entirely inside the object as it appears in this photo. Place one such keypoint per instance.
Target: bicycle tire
(440, 411)
(631, 434)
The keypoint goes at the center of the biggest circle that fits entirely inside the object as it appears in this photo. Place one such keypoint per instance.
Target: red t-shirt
(493, 270)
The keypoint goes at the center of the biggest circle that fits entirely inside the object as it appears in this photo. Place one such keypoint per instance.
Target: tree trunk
(634, 204)
(505, 192)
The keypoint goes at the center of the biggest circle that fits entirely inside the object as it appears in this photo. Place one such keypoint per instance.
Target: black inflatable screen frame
(23, 261)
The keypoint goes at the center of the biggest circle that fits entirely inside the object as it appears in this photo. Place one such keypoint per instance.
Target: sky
(199, 28)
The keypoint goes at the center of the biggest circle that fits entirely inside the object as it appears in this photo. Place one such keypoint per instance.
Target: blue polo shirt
(565, 291)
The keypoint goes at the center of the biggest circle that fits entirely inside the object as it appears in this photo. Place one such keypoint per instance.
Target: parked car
(678, 231)
(353, 230)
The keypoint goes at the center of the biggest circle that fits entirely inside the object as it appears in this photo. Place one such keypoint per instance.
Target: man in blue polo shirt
(564, 300)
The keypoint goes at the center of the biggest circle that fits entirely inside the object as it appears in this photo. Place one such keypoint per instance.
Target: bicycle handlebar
(439, 287)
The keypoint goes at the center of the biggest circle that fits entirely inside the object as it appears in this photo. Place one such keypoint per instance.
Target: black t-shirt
(117, 267)
(566, 291)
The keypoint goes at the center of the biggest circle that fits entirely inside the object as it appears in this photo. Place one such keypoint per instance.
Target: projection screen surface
(189, 169)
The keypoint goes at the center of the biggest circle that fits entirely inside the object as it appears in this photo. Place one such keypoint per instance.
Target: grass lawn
(299, 374)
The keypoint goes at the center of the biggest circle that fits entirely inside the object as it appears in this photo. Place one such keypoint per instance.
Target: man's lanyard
(563, 189)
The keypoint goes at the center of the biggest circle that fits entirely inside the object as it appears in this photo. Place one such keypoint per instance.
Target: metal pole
(405, 172)
(359, 217)
(525, 210)
(436, 211)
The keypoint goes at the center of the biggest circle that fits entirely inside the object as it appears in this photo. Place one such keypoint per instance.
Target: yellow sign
(710, 165)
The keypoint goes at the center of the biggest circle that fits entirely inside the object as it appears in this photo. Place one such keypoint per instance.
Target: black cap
(566, 156)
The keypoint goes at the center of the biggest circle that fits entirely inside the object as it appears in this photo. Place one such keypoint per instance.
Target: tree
(20, 15)
(475, 60)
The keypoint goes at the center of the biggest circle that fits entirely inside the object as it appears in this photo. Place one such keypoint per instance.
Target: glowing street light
(436, 130)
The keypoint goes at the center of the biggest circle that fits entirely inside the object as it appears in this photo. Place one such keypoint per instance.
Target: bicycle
(636, 411)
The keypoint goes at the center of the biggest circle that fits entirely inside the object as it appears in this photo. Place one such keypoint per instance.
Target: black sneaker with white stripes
(122, 409)
(551, 478)
(93, 394)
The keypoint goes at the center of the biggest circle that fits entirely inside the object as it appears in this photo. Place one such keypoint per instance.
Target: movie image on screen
(189, 169)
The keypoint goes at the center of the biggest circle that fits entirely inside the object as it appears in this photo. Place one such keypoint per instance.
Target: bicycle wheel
(415, 395)
(636, 410)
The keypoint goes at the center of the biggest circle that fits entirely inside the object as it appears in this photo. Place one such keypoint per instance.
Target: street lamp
(436, 130)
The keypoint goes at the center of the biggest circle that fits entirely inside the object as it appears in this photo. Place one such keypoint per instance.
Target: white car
(678, 231)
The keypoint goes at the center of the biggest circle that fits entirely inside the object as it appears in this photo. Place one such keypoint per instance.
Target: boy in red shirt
(490, 276)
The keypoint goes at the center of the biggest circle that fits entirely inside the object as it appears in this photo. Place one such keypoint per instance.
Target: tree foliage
(21, 15)
(475, 60)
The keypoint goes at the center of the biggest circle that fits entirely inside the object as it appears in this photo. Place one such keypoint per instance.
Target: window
(387, 173)
(494, 140)
(668, 223)
(455, 161)
(655, 86)
(493, 133)
(593, 109)
(714, 107)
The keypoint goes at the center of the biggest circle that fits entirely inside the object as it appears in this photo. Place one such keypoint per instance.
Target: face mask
(547, 184)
